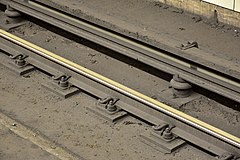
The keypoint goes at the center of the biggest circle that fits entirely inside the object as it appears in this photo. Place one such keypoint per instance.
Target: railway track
(186, 127)
(208, 77)
(117, 98)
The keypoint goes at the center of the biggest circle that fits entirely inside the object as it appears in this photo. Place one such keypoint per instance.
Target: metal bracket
(166, 96)
(107, 109)
(11, 19)
(61, 86)
(109, 104)
(227, 156)
(181, 88)
(19, 65)
(20, 60)
(62, 81)
(163, 131)
(162, 139)
(190, 44)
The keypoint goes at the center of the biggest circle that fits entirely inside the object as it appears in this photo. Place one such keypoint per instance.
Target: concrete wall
(228, 10)
(237, 5)
(230, 4)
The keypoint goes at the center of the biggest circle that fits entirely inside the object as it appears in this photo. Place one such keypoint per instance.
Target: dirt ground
(14, 147)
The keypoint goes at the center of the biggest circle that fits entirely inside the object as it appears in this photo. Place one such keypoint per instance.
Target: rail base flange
(112, 117)
(166, 147)
(166, 96)
(64, 93)
(19, 70)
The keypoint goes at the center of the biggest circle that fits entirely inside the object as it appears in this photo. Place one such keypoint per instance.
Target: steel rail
(196, 75)
(161, 54)
(226, 137)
